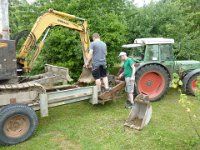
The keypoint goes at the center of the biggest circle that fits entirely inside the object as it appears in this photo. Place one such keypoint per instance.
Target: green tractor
(155, 65)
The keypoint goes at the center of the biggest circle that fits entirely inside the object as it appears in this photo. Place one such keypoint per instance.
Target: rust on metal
(86, 76)
(13, 101)
(113, 92)
(16, 126)
(140, 114)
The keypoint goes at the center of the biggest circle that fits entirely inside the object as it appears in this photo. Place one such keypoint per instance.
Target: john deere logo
(2, 45)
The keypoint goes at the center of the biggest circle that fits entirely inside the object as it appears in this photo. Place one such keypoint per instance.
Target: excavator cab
(8, 67)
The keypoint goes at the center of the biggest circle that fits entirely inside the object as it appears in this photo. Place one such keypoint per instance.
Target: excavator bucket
(140, 114)
(86, 76)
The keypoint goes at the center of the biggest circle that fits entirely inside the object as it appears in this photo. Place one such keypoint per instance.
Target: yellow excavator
(19, 94)
(26, 89)
(44, 23)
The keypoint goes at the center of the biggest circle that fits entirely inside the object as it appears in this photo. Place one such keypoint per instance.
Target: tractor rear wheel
(152, 80)
(191, 85)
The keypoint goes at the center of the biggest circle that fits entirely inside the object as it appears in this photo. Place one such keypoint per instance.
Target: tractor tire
(152, 80)
(191, 85)
(17, 123)
(20, 36)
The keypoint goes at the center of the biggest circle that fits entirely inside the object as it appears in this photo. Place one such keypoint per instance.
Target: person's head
(96, 36)
(123, 56)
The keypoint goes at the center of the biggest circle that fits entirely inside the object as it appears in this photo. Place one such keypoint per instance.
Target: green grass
(84, 126)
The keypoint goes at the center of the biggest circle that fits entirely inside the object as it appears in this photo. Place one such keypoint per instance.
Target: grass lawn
(84, 126)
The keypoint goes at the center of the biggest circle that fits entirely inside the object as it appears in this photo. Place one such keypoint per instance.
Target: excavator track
(27, 93)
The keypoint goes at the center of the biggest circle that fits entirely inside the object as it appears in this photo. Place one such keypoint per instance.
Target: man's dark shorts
(99, 72)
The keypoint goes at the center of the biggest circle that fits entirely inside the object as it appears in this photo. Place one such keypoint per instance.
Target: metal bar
(59, 99)
(83, 91)
(4, 19)
(69, 101)
(94, 99)
(65, 15)
(45, 35)
(43, 105)
(37, 107)
(53, 99)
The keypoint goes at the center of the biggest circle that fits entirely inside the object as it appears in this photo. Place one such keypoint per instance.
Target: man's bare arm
(133, 72)
(89, 57)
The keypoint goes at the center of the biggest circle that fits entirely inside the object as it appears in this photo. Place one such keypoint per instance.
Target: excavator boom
(48, 20)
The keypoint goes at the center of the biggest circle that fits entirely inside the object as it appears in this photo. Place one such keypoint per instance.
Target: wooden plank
(115, 89)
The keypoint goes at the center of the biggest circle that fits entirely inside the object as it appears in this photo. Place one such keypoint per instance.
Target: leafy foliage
(63, 47)
(198, 88)
(178, 19)
(118, 22)
(184, 101)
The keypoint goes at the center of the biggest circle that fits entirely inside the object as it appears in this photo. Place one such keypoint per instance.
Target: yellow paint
(52, 18)
(3, 45)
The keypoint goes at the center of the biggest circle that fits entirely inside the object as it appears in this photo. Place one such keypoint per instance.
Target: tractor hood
(186, 65)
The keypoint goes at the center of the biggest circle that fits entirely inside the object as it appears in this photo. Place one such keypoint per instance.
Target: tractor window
(136, 53)
(151, 53)
(166, 52)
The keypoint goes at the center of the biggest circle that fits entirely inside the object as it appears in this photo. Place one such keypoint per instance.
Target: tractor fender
(188, 76)
(154, 63)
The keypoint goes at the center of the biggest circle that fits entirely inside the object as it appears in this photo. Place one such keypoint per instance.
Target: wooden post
(44, 105)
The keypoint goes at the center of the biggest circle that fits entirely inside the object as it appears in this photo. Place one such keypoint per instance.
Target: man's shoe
(127, 102)
(99, 93)
(129, 105)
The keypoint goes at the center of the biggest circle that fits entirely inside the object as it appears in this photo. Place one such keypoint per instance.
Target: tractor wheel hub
(149, 83)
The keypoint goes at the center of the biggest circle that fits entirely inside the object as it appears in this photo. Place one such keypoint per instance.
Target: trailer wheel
(152, 80)
(191, 86)
(17, 123)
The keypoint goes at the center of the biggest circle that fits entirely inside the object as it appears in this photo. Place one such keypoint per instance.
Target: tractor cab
(150, 49)
(134, 51)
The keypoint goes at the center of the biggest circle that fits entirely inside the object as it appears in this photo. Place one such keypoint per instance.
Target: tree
(62, 46)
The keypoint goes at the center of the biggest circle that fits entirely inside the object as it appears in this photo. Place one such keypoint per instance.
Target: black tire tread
(16, 108)
(189, 91)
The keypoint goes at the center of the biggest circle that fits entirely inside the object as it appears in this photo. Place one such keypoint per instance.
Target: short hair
(96, 35)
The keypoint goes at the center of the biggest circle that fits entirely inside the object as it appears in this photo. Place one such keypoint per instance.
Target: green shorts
(129, 85)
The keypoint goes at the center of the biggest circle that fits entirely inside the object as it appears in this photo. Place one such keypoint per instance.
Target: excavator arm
(44, 23)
